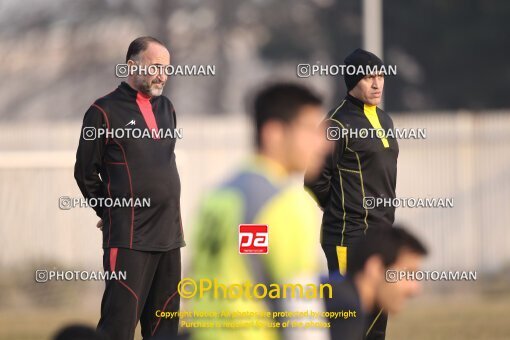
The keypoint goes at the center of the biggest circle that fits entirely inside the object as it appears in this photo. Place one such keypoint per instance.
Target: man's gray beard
(153, 92)
(148, 90)
(156, 92)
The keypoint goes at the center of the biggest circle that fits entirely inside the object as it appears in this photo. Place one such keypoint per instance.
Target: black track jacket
(357, 170)
(110, 166)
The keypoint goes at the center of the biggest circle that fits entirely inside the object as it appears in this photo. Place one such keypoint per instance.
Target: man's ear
(272, 133)
(374, 268)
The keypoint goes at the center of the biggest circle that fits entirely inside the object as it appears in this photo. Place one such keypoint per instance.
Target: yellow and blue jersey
(261, 193)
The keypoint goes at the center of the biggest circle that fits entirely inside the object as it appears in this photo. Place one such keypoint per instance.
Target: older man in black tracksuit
(143, 241)
(359, 167)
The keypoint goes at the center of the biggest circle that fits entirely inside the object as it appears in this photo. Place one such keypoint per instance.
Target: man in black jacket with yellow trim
(362, 166)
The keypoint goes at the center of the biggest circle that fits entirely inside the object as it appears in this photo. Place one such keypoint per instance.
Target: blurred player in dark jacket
(372, 281)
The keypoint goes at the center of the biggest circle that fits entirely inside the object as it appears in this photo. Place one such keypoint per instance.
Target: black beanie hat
(357, 58)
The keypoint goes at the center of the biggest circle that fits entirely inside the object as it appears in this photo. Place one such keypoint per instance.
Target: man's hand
(100, 225)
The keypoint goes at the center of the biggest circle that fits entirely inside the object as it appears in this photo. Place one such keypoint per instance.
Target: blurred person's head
(144, 52)
(367, 88)
(385, 251)
(79, 332)
(287, 117)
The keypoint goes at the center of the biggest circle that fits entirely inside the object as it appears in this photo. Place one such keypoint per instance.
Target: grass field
(478, 311)
(463, 318)
(426, 318)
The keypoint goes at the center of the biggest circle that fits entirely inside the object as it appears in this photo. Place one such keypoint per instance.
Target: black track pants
(150, 286)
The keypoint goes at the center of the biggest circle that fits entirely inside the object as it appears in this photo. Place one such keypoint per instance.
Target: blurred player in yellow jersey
(267, 190)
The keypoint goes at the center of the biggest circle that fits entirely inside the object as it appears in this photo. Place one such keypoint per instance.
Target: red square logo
(253, 239)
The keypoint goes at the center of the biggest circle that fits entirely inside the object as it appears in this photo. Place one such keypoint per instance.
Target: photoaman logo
(253, 239)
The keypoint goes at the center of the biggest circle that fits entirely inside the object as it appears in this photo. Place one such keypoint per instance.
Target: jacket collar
(125, 88)
(353, 100)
